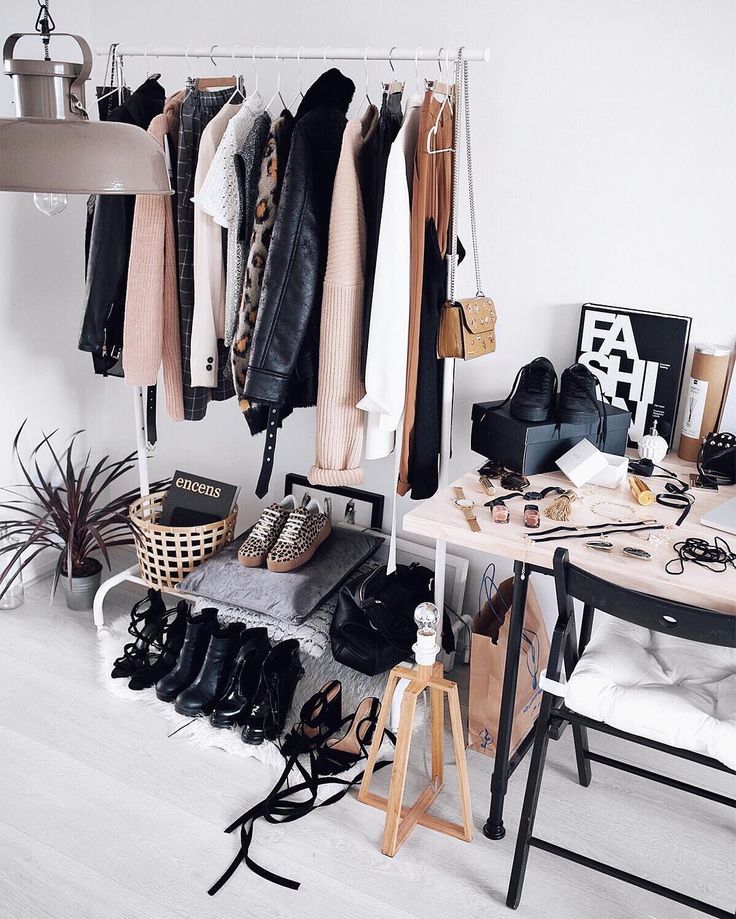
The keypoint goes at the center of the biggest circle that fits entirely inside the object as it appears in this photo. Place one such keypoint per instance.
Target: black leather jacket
(108, 247)
(285, 349)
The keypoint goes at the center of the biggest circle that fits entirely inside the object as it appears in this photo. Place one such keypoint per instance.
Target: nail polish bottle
(500, 513)
(531, 516)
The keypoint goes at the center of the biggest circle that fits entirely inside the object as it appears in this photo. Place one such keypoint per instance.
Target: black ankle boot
(533, 399)
(168, 651)
(147, 621)
(579, 403)
(281, 671)
(191, 656)
(200, 697)
(236, 700)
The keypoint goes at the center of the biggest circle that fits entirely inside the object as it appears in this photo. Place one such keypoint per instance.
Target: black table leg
(494, 828)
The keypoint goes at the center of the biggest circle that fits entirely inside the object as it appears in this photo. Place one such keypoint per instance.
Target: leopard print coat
(273, 166)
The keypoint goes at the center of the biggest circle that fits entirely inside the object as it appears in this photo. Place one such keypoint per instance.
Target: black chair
(640, 622)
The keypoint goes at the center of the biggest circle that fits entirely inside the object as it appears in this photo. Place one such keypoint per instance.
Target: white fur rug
(318, 671)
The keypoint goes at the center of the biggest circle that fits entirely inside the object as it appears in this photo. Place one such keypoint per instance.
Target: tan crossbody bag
(468, 327)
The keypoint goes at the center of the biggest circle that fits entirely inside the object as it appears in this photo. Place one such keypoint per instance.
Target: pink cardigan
(151, 331)
(339, 420)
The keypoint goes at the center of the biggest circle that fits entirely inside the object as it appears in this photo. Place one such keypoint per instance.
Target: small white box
(582, 462)
(614, 475)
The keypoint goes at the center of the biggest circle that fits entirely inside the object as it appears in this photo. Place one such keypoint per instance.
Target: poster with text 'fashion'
(639, 358)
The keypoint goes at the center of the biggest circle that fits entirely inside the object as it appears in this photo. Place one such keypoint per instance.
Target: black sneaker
(579, 402)
(532, 396)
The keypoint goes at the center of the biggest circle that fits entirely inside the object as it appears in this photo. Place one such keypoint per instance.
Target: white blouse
(388, 334)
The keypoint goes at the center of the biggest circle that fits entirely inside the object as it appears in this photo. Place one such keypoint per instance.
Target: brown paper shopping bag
(487, 660)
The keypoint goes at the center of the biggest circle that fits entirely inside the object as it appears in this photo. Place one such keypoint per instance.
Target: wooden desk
(439, 519)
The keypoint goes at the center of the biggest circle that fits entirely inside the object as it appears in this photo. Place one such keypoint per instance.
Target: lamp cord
(45, 25)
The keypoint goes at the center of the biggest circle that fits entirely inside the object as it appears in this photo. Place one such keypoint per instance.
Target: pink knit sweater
(151, 331)
(340, 386)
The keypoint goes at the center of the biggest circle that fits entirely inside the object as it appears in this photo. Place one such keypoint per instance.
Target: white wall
(604, 146)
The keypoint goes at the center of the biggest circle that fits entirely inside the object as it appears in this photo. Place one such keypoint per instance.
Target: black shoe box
(530, 447)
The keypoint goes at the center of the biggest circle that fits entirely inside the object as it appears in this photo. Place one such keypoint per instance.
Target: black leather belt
(269, 450)
(151, 432)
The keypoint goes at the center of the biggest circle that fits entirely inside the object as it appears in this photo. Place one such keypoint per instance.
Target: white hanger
(190, 77)
(300, 92)
(447, 90)
(117, 74)
(394, 85)
(239, 82)
(255, 69)
(366, 99)
(278, 83)
(416, 70)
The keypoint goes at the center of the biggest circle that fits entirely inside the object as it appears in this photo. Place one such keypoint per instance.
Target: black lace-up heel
(321, 716)
(147, 623)
(163, 653)
(343, 753)
(287, 801)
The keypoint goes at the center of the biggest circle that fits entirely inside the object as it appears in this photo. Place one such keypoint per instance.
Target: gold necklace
(604, 509)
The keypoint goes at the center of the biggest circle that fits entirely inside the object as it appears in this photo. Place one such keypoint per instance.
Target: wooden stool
(400, 819)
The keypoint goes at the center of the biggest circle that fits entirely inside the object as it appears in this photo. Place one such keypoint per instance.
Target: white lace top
(219, 196)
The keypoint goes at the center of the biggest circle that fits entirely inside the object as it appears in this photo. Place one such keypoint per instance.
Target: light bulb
(50, 202)
(426, 616)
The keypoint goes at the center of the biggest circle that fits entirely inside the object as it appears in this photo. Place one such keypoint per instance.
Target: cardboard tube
(703, 397)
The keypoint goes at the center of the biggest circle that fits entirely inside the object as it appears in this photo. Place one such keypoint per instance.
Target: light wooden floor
(102, 816)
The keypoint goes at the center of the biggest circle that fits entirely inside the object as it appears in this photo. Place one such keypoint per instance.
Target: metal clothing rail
(327, 53)
(446, 55)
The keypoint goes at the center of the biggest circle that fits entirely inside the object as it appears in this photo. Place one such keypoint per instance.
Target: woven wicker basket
(167, 554)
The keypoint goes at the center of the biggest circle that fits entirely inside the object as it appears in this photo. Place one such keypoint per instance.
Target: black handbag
(717, 458)
(373, 627)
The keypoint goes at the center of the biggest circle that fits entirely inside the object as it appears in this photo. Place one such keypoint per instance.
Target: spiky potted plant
(67, 511)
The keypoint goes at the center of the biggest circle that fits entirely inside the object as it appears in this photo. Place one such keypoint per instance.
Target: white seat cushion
(681, 693)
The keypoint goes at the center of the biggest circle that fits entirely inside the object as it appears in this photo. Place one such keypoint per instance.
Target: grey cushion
(291, 596)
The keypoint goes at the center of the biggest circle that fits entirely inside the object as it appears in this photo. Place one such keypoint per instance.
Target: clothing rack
(443, 55)
(325, 54)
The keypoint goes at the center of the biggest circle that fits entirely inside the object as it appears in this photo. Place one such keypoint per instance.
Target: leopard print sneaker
(262, 537)
(304, 532)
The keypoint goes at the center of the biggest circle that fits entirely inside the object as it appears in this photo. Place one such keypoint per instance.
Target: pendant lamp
(52, 149)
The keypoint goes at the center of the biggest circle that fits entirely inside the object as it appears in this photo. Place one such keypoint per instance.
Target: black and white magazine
(639, 357)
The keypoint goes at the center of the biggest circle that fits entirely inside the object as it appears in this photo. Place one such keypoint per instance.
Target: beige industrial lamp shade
(52, 147)
(80, 158)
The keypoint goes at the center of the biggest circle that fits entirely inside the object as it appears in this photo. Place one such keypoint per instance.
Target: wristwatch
(466, 506)
(487, 485)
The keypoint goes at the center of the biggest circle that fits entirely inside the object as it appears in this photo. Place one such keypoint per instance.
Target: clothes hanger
(255, 70)
(149, 75)
(448, 95)
(393, 86)
(214, 82)
(278, 83)
(239, 82)
(416, 71)
(117, 75)
(439, 86)
(366, 100)
(191, 82)
(300, 92)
